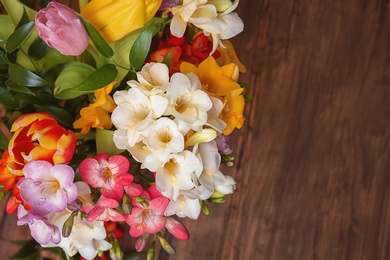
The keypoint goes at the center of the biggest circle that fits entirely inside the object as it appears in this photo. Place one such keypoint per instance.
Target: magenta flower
(150, 219)
(41, 230)
(47, 188)
(109, 174)
(60, 28)
(104, 210)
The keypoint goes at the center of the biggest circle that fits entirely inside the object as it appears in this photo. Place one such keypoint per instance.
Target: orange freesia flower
(14, 201)
(232, 113)
(97, 115)
(217, 81)
(38, 136)
(114, 19)
(228, 55)
(10, 172)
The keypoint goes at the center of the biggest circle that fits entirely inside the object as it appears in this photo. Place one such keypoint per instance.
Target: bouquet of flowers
(117, 116)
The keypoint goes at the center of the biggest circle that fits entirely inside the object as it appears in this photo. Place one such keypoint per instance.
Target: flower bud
(116, 19)
(61, 29)
(166, 246)
(176, 228)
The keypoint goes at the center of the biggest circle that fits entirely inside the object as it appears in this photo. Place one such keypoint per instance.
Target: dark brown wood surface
(313, 158)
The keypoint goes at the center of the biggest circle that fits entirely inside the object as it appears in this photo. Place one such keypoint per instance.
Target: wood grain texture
(313, 158)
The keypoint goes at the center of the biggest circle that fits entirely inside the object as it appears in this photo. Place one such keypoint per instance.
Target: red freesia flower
(181, 50)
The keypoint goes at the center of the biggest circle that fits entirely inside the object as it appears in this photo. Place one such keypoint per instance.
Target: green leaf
(15, 10)
(6, 98)
(105, 143)
(27, 251)
(64, 117)
(167, 59)
(100, 44)
(38, 49)
(79, 78)
(6, 28)
(71, 76)
(19, 36)
(24, 19)
(3, 141)
(98, 79)
(17, 87)
(25, 77)
(141, 47)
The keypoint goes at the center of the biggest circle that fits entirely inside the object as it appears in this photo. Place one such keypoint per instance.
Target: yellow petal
(114, 19)
(228, 55)
(206, 135)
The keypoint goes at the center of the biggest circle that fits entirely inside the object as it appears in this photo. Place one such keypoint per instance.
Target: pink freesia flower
(176, 228)
(47, 188)
(41, 229)
(60, 28)
(104, 210)
(148, 219)
(134, 190)
(109, 174)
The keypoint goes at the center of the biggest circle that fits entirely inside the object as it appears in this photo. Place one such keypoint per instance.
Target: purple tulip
(60, 28)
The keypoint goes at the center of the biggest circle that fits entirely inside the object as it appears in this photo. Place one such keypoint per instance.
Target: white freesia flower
(164, 139)
(228, 187)
(186, 205)
(211, 176)
(135, 113)
(221, 5)
(187, 102)
(87, 238)
(153, 79)
(176, 174)
(208, 17)
(213, 118)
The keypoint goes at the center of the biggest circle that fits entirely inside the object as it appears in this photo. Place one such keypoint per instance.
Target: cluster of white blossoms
(214, 17)
(169, 124)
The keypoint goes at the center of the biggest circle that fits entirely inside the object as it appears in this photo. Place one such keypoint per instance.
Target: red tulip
(38, 136)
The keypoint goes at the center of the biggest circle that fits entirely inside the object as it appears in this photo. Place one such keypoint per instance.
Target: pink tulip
(60, 28)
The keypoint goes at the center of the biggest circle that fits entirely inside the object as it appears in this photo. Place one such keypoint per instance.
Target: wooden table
(313, 158)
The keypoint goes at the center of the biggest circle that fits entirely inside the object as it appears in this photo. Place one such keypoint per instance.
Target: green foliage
(19, 36)
(38, 49)
(25, 77)
(78, 78)
(100, 44)
(3, 141)
(141, 47)
(105, 143)
(27, 251)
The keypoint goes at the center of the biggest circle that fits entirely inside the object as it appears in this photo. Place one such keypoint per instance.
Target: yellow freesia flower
(96, 115)
(232, 113)
(217, 81)
(115, 19)
(228, 55)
